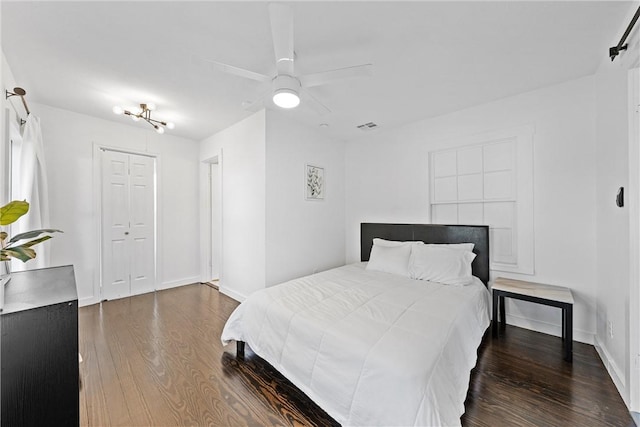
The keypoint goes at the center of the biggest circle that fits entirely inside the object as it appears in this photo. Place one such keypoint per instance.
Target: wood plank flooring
(157, 360)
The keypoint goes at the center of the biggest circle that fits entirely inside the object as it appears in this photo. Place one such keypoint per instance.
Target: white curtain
(15, 136)
(32, 186)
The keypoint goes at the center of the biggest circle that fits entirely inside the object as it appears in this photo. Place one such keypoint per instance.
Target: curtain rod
(18, 91)
(615, 50)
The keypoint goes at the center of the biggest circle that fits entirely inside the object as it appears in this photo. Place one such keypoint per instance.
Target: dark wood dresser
(39, 349)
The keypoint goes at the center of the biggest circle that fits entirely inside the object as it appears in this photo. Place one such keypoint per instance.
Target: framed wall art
(314, 182)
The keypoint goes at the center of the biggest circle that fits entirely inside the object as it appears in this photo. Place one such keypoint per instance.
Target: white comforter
(370, 348)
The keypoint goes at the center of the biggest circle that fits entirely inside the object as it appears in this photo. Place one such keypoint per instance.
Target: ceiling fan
(286, 85)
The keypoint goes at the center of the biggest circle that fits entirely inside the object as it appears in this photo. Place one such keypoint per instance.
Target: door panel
(142, 214)
(115, 223)
(128, 230)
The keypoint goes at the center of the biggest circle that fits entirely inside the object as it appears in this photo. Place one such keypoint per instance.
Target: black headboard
(432, 233)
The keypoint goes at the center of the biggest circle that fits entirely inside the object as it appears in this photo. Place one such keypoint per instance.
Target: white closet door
(142, 216)
(128, 224)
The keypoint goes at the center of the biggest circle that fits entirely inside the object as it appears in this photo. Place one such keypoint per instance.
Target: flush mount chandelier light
(144, 113)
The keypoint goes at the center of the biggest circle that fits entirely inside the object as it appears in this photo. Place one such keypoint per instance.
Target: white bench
(555, 296)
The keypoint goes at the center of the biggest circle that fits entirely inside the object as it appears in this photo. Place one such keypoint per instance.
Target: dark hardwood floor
(156, 359)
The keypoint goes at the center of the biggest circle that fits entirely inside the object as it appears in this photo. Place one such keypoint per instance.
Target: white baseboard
(548, 328)
(83, 302)
(616, 374)
(166, 285)
(232, 294)
(177, 283)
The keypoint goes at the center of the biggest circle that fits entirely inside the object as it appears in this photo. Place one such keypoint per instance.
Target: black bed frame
(428, 233)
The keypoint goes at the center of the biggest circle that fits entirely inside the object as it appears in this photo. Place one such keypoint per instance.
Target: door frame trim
(206, 226)
(97, 206)
(633, 314)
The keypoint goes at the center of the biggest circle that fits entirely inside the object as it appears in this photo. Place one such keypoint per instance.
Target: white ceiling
(429, 58)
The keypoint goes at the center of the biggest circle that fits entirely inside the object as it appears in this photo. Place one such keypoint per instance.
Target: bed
(372, 347)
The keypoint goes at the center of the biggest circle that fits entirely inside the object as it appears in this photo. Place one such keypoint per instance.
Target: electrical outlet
(610, 327)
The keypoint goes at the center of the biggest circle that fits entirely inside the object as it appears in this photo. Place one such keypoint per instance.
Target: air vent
(368, 126)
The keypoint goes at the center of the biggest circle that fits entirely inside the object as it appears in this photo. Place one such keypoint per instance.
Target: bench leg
(494, 322)
(503, 315)
(568, 355)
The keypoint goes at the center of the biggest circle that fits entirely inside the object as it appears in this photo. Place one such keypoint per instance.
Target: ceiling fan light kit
(286, 98)
(144, 112)
(286, 91)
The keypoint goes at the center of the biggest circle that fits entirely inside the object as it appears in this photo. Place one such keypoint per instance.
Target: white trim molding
(616, 374)
(490, 175)
(177, 283)
(232, 294)
(633, 198)
(549, 328)
(97, 205)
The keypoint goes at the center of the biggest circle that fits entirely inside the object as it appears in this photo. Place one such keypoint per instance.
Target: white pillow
(393, 243)
(462, 246)
(390, 259)
(441, 264)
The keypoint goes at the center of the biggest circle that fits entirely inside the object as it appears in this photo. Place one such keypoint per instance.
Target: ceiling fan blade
(281, 16)
(316, 105)
(258, 104)
(229, 69)
(254, 106)
(317, 79)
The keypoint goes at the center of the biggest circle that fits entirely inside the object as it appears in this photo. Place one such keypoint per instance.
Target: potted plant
(21, 245)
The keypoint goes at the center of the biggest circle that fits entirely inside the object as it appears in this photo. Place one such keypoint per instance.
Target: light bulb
(118, 110)
(159, 129)
(151, 106)
(170, 125)
(286, 98)
(135, 118)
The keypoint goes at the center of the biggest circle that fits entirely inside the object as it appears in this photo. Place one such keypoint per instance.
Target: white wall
(69, 140)
(9, 108)
(387, 181)
(270, 233)
(241, 152)
(302, 236)
(613, 286)
(4, 145)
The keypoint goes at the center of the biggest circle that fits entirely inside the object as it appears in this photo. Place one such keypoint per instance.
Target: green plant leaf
(31, 234)
(21, 252)
(10, 212)
(31, 243)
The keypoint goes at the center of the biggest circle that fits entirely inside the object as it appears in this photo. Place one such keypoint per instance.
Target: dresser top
(539, 290)
(39, 288)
